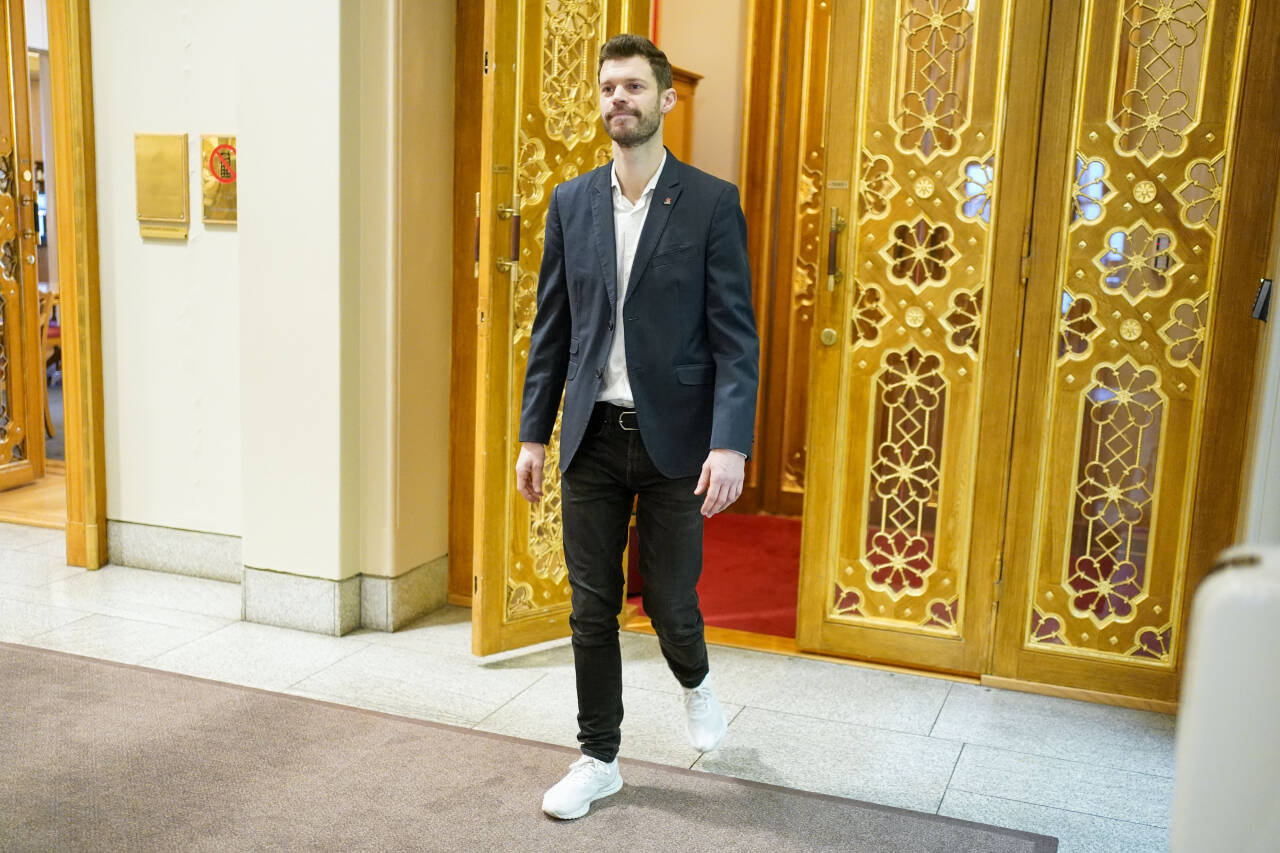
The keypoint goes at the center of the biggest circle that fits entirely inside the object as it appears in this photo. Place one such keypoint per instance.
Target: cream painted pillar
(345, 162)
(405, 223)
(298, 318)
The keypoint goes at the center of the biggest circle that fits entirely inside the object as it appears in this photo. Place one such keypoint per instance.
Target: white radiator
(1227, 781)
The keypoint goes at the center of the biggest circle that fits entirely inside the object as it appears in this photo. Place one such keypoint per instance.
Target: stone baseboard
(337, 607)
(388, 604)
(305, 604)
(169, 549)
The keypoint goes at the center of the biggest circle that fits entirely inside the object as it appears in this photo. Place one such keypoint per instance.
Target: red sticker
(221, 166)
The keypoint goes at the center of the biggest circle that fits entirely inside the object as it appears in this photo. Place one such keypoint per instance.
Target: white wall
(170, 310)
(36, 18)
(708, 38)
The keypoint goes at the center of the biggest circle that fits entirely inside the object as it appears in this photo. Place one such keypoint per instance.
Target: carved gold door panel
(1140, 154)
(21, 359)
(920, 295)
(541, 127)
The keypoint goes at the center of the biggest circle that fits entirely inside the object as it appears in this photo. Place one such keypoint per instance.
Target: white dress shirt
(628, 220)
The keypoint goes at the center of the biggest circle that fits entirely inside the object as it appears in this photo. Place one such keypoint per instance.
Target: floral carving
(1185, 333)
(906, 471)
(899, 562)
(1091, 191)
(876, 186)
(868, 316)
(1139, 262)
(1106, 495)
(920, 254)
(1104, 588)
(976, 189)
(936, 36)
(1152, 643)
(1046, 629)
(965, 320)
(1202, 193)
(912, 380)
(847, 602)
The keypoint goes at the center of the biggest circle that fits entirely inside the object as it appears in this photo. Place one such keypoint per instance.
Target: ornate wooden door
(926, 149)
(1138, 347)
(1032, 355)
(21, 356)
(541, 126)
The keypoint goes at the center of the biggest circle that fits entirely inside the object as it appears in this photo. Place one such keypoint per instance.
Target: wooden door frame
(76, 200)
(467, 110)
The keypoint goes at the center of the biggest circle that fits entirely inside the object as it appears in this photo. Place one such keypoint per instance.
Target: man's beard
(643, 130)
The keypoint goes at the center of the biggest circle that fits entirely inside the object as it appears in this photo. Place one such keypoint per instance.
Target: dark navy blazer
(692, 350)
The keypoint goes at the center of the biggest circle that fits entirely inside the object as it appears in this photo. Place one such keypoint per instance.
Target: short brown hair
(626, 45)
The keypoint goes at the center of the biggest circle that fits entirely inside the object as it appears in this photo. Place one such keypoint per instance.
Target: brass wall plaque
(218, 179)
(163, 202)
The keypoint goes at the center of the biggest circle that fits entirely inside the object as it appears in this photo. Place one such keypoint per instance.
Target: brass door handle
(828, 337)
(513, 213)
(834, 273)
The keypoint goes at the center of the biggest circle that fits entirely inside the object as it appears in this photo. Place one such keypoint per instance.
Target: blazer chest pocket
(676, 255)
(696, 374)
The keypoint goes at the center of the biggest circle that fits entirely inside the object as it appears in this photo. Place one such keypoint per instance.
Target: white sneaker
(704, 718)
(589, 779)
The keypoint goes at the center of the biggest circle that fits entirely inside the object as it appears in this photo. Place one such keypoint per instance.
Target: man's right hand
(529, 470)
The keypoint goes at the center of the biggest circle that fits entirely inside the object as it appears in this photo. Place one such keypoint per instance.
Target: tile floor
(1098, 778)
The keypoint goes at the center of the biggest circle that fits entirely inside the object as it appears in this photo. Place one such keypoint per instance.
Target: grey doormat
(103, 756)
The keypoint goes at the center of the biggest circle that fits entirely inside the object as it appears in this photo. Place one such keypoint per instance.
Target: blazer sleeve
(731, 327)
(549, 340)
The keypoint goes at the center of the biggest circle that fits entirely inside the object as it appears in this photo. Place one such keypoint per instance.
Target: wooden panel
(541, 126)
(1126, 361)
(468, 74)
(907, 432)
(77, 216)
(677, 125)
(762, 129)
(786, 335)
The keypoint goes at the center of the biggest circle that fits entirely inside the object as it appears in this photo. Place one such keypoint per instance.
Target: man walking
(645, 322)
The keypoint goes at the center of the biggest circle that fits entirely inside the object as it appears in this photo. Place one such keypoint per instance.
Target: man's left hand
(722, 476)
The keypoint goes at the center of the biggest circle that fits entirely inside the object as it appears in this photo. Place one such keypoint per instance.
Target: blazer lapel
(665, 195)
(602, 220)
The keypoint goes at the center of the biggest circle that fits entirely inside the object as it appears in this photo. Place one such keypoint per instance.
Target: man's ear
(668, 101)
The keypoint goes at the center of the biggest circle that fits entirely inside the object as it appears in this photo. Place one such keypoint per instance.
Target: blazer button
(611, 325)
(599, 373)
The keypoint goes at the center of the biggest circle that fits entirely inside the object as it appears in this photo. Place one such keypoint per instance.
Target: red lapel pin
(668, 201)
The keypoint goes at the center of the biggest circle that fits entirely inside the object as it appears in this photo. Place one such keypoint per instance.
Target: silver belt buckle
(622, 420)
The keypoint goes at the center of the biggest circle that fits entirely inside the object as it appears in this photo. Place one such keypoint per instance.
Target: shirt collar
(653, 182)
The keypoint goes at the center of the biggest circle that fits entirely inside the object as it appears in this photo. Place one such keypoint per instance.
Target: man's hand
(721, 479)
(529, 470)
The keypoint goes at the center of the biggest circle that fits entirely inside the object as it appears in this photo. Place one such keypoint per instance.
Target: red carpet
(750, 573)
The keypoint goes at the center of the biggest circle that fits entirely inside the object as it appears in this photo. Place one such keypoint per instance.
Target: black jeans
(610, 468)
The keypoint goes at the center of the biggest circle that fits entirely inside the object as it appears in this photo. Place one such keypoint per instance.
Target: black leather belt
(624, 418)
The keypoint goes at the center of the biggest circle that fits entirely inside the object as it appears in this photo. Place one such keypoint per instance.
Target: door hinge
(475, 584)
(999, 578)
(1024, 267)
(486, 62)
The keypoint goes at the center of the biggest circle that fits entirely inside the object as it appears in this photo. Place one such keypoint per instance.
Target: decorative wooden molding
(77, 212)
